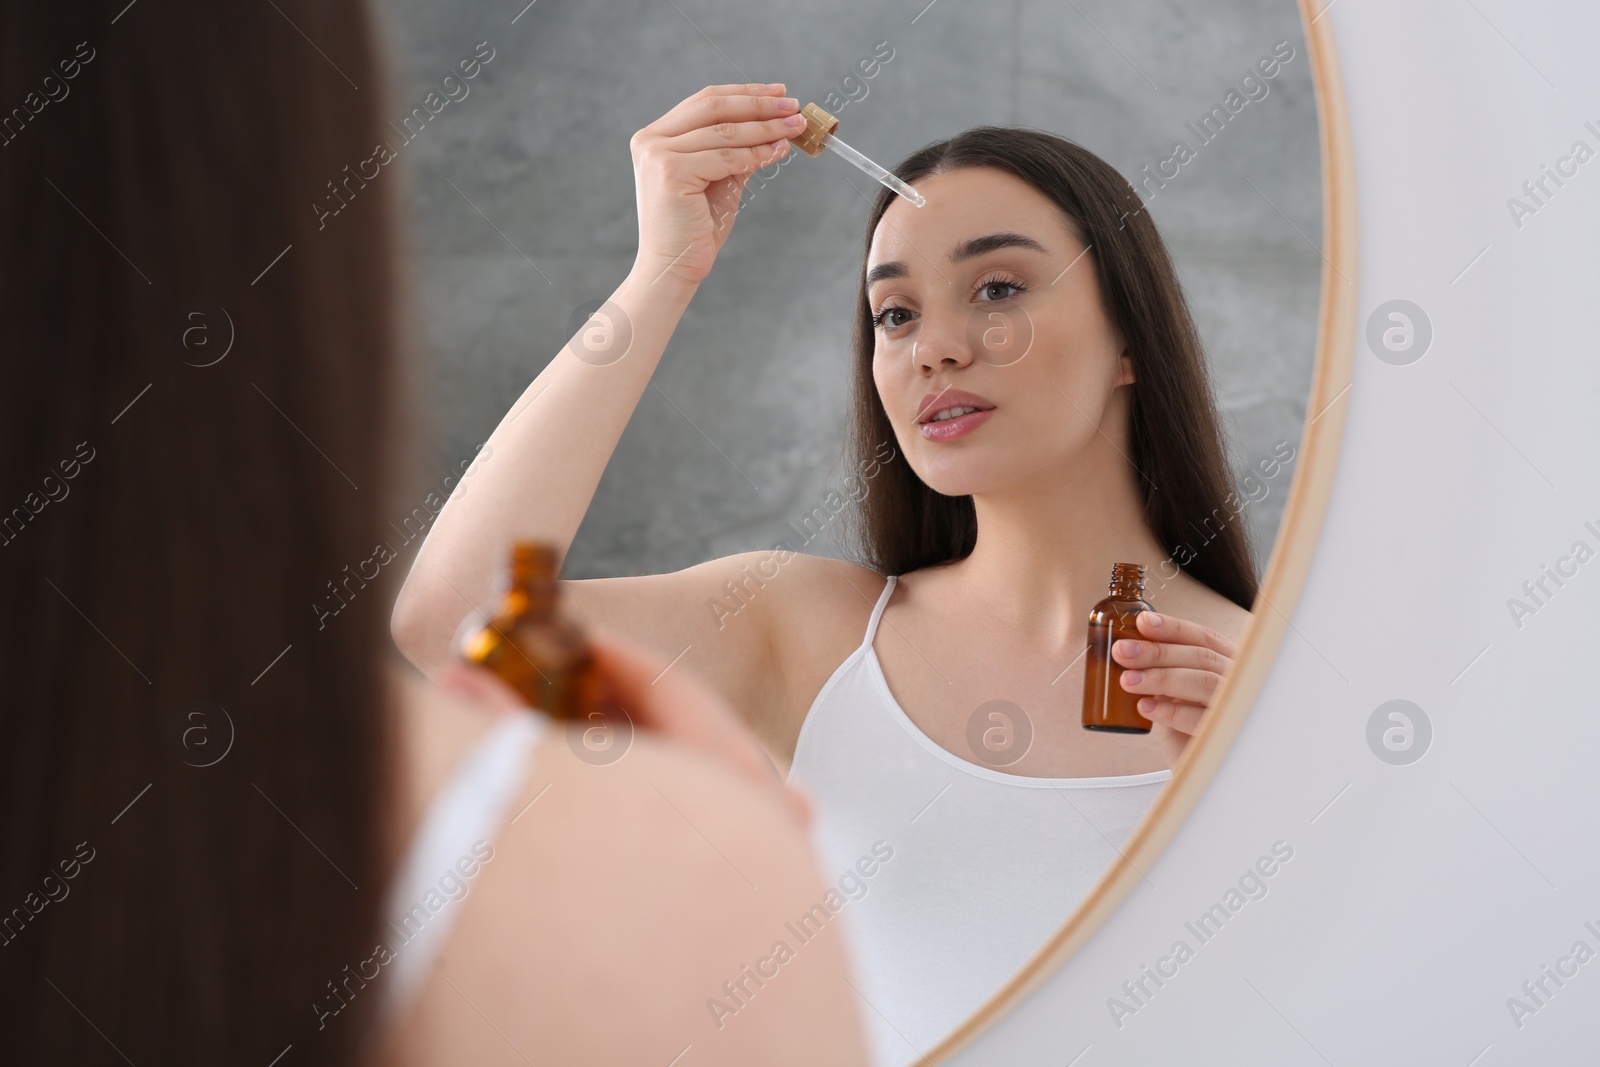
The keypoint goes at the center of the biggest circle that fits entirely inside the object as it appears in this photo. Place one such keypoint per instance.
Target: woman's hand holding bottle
(1180, 665)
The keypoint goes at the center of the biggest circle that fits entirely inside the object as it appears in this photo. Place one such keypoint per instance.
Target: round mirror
(891, 453)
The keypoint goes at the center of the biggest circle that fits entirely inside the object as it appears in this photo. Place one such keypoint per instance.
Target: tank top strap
(468, 812)
(877, 610)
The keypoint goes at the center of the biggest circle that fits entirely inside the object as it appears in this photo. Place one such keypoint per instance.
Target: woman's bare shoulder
(787, 587)
(819, 617)
(1200, 603)
(656, 876)
(820, 582)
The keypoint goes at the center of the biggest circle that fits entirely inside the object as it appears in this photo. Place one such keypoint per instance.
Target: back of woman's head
(1175, 446)
(194, 401)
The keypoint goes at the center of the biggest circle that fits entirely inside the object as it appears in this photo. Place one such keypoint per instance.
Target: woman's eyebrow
(967, 249)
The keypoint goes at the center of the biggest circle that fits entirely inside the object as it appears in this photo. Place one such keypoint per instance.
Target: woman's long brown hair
(192, 758)
(1174, 437)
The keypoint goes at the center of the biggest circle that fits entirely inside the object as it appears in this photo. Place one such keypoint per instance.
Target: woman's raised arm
(544, 461)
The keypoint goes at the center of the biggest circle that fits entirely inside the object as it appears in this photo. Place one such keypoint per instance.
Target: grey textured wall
(522, 211)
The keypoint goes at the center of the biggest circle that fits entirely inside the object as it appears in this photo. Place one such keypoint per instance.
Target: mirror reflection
(867, 467)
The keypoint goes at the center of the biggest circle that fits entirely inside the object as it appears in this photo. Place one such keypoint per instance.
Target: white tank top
(949, 875)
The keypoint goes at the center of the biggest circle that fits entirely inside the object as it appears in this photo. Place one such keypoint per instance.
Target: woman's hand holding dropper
(538, 472)
(690, 168)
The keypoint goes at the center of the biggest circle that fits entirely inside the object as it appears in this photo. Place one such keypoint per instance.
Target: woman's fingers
(751, 133)
(1170, 628)
(690, 168)
(1186, 663)
(715, 164)
(480, 684)
(715, 135)
(1175, 683)
(1180, 665)
(736, 135)
(1184, 718)
(713, 153)
(720, 103)
(1150, 655)
(1180, 644)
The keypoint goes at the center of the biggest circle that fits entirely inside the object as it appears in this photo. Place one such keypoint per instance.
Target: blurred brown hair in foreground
(193, 768)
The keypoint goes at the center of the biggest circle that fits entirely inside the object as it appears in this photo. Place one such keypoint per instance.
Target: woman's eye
(989, 292)
(990, 286)
(881, 319)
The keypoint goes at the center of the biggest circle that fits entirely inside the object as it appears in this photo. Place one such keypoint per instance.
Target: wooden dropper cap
(818, 125)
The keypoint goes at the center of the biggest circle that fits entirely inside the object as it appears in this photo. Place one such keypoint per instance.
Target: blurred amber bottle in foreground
(1106, 705)
(531, 646)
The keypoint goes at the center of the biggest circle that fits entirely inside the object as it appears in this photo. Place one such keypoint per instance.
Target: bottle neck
(1127, 581)
(530, 600)
(531, 581)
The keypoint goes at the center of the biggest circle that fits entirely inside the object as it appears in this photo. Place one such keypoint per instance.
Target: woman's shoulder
(772, 564)
(650, 871)
(823, 582)
(818, 619)
(1197, 602)
(439, 726)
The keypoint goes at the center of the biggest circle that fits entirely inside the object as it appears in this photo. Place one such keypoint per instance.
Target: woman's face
(984, 298)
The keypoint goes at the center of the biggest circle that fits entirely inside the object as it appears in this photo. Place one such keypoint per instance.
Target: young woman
(237, 828)
(1030, 407)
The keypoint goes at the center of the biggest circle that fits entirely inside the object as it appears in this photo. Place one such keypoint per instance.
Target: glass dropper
(828, 140)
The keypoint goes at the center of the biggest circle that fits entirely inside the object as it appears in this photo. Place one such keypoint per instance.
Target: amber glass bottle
(532, 647)
(1106, 705)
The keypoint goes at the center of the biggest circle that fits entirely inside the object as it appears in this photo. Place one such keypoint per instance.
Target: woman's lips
(950, 429)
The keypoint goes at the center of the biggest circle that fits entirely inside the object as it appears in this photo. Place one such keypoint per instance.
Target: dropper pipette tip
(819, 135)
(890, 180)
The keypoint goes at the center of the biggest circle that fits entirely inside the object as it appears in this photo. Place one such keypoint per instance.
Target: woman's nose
(942, 342)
